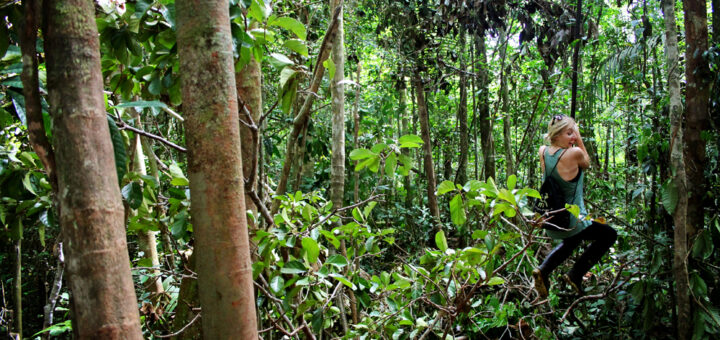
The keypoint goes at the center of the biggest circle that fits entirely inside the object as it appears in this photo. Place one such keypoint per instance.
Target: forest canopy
(361, 169)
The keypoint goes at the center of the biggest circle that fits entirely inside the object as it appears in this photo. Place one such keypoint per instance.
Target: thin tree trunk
(215, 170)
(249, 90)
(576, 56)
(337, 160)
(304, 115)
(188, 305)
(356, 132)
(91, 211)
(486, 135)
(697, 120)
(17, 287)
(680, 270)
(507, 134)
(147, 239)
(49, 308)
(462, 118)
(427, 146)
(405, 126)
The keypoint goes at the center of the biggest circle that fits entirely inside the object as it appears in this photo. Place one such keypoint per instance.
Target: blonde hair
(557, 126)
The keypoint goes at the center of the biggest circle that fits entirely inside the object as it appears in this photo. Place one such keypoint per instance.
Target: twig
(335, 211)
(432, 325)
(124, 126)
(197, 316)
(607, 291)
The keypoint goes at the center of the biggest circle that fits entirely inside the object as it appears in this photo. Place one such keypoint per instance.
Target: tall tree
(462, 114)
(680, 271)
(215, 170)
(337, 89)
(483, 107)
(507, 134)
(427, 145)
(697, 92)
(91, 210)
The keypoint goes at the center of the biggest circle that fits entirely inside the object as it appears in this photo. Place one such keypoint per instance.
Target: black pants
(602, 235)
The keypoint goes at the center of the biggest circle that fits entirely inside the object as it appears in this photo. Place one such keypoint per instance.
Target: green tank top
(573, 191)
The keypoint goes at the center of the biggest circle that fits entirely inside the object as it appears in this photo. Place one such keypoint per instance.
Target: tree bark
(188, 305)
(427, 146)
(486, 136)
(356, 132)
(680, 270)
(17, 288)
(462, 118)
(91, 211)
(215, 170)
(249, 91)
(576, 56)
(697, 92)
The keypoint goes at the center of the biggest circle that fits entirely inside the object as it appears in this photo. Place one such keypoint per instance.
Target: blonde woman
(566, 158)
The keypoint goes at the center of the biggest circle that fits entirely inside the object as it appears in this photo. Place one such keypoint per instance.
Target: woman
(571, 160)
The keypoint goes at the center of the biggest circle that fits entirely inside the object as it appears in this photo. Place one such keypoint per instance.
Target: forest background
(357, 169)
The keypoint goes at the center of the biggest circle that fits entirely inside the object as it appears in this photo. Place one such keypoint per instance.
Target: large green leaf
(441, 241)
(329, 65)
(297, 46)
(311, 249)
(410, 141)
(445, 187)
(178, 178)
(343, 280)
(293, 267)
(291, 25)
(279, 61)
(133, 194)
(457, 210)
(669, 197)
(337, 260)
(118, 149)
(358, 154)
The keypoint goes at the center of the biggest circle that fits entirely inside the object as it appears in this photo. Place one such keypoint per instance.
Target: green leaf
(133, 194)
(279, 61)
(573, 209)
(312, 250)
(457, 210)
(506, 195)
(495, 281)
(445, 187)
(669, 197)
(379, 147)
(441, 241)
(511, 181)
(479, 234)
(277, 284)
(337, 260)
(291, 25)
(358, 154)
(261, 36)
(28, 185)
(410, 141)
(329, 64)
(703, 247)
(343, 280)
(368, 209)
(118, 149)
(357, 215)
(178, 178)
(259, 10)
(293, 267)
(331, 238)
(297, 46)
(406, 166)
(698, 285)
(390, 164)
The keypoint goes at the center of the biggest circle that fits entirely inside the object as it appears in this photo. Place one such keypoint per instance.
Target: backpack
(553, 199)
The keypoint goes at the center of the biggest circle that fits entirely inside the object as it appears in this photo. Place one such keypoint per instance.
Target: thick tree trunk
(462, 116)
(249, 90)
(91, 211)
(697, 92)
(215, 170)
(680, 270)
(486, 135)
(427, 146)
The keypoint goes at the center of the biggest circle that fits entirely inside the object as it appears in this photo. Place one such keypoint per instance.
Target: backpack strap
(556, 163)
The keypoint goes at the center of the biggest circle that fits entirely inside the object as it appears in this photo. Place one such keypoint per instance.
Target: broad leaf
(669, 197)
(118, 149)
(445, 187)
(311, 249)
(297, 46)
(441, 241)
(290, 24)
(457, 210)
(358, 154)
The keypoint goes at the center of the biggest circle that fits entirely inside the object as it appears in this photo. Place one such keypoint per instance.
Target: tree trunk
(91, 211)
(303, 116)
(405, 125)
(680, 270)
(188, 305)
(697, 92)
(249, 91)
(576, 56)
(507, 134)
(356, 133)
(427, 146)
(486, 136)
(17, 288)
(462, 115)
(716, 21)
(215, 170)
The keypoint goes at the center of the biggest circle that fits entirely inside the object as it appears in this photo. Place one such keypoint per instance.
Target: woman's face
(566, 138)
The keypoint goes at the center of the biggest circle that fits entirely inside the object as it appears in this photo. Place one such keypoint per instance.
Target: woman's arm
(581, 155)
